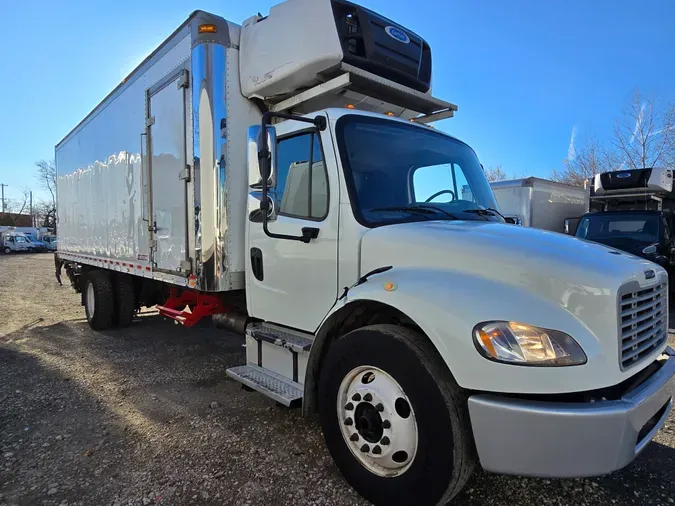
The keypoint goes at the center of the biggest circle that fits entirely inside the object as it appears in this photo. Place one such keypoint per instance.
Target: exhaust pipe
(234, 322)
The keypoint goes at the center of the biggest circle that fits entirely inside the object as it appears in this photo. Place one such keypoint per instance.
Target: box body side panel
(101, 178)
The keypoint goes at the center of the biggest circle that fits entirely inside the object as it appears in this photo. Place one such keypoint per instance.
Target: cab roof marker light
(208, 28)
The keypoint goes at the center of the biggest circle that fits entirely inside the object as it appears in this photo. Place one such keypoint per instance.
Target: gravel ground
(146, 415)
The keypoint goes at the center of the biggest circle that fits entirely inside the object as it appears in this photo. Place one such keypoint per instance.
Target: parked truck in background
(632, 211)
(49, 241)
(13, 242)
(285, 180)
(540, 203)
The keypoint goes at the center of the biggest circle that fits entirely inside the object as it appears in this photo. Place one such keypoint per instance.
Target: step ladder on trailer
(276, 361)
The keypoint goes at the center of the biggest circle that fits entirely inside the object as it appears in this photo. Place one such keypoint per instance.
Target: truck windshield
(397, 173)
(621, 230)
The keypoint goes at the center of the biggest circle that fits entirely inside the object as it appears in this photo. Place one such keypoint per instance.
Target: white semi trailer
(280, 174)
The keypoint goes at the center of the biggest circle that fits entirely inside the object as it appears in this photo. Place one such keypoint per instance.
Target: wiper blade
(439, 209)
(422, 209)
(403, 208)
(485, 212)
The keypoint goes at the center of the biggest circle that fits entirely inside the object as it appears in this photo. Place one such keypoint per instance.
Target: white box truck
(540, 203)
(279, 173)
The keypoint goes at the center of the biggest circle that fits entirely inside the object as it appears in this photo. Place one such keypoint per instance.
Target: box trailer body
(285, 181)
(142, 180)
(540, 203)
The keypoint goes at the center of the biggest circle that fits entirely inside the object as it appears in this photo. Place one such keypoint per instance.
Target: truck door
(290, 282)
(168, 175)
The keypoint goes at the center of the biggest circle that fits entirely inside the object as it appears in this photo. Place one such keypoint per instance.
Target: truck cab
(13, 242)
(633, 211)
(49, 241)
(647, 234)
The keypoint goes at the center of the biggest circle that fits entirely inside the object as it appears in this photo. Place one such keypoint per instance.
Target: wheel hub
(368, 422)
(377, 421)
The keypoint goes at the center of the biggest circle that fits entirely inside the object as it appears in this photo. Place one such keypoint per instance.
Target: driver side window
(440, 183)
(302, 182)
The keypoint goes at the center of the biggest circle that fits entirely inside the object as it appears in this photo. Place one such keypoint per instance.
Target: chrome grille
(643, 320)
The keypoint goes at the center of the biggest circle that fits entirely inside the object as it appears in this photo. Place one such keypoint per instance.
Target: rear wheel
(7, 250)
(394, 419)
(125, 301)
(98, 300)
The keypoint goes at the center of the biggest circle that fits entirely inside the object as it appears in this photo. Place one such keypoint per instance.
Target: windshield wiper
(439, 209)
(485, 212)
(423, 209)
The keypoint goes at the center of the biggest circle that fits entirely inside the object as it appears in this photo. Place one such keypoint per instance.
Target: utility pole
(3, 196)
(32, 219)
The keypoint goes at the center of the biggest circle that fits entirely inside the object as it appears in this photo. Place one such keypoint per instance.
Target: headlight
(649, 250)
(520, 344)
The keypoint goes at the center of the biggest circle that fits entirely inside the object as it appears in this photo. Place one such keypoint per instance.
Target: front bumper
(564, 440)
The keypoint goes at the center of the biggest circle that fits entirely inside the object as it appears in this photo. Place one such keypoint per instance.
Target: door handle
(257, 264)
(309, 233)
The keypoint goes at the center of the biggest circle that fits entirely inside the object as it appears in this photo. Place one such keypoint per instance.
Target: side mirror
(255, 170)
(570, 227)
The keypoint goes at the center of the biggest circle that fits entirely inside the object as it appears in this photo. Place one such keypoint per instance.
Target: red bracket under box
(187, 307)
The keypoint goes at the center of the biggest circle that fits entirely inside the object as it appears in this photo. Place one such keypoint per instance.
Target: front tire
(98, 300)
(395, 421)
(7, 250)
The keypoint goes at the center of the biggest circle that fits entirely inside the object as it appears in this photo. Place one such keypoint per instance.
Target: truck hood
(560, 268)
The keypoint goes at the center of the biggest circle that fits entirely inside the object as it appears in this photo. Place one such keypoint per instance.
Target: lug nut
(386, 424)
(354, 437)
(356, 397)
(367, 397)
(365, 448)
(349, 421)
(377, 450)
(349, 406)
(384, 441)
(379, 407)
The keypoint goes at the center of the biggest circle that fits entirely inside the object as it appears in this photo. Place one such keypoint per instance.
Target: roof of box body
(222, 36)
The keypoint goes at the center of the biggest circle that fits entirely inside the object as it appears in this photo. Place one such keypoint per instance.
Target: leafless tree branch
(47, 177)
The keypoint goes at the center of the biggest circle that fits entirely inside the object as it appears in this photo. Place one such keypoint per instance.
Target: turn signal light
(207, 29)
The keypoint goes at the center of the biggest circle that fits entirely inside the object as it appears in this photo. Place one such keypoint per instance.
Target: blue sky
(524, 73)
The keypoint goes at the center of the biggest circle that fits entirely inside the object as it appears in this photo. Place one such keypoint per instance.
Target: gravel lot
(146, 415)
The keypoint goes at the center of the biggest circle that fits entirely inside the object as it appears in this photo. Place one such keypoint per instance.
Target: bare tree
(495, 173)
(584, 162)
(14, 207)
(18, 206)
(45, 214)
(644, 136)
(47, 177)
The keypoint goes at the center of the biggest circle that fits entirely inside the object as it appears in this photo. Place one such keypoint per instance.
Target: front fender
(446, 305)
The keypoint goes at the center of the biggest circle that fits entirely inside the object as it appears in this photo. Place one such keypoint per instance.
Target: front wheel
(394, 419)
(7, 250)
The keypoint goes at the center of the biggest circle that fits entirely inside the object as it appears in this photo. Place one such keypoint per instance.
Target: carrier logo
(623, 175)
(397, 33)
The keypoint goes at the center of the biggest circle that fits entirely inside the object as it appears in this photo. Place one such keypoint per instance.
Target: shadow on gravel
(53, 434)
(147, 411)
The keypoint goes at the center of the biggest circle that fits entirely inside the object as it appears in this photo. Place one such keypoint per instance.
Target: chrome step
(297, 342)
(274, 386)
